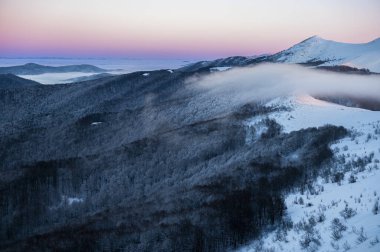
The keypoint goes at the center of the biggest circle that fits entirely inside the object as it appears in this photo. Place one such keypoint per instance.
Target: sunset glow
(178, 29)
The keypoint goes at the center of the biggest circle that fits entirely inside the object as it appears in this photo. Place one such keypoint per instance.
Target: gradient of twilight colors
(178, 28)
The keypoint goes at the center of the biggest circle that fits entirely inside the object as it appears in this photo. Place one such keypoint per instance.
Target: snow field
(338, 215)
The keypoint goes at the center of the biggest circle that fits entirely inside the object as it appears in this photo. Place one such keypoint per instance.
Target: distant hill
(13, 81)
(33, 69)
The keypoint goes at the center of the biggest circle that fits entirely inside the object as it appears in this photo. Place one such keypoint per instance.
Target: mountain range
(200, 158)
(314, 51)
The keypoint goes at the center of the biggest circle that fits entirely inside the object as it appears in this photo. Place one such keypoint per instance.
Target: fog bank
(272, 80)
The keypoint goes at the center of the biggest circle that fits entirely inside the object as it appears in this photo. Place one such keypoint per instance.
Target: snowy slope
(333, 53)
(359, 192)
(307, 111)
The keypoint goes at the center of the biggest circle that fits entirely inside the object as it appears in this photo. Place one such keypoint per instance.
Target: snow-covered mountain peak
(375, 42)
(315, 38)
(318, 51)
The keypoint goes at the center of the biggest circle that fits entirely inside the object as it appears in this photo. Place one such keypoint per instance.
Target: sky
(172, 29)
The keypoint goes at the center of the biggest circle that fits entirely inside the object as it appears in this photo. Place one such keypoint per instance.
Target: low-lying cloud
(272, 80)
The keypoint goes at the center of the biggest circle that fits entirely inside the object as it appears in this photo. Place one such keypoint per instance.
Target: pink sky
(178, 29)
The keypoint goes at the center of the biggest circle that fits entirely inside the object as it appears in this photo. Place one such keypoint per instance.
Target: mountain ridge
(314, 51)
(34, 69)
(13, 81)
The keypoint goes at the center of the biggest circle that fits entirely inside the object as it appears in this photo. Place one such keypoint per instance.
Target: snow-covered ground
(312, 213)
(306, 111)
(72, 200)
(355, 55)
(96, 123)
